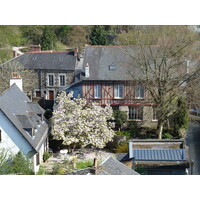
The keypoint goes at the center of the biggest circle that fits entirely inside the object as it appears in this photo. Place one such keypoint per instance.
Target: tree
(28, 76)
(162, 61)
(98, 36)
(120, 118)
(79, 122)
(48, 38)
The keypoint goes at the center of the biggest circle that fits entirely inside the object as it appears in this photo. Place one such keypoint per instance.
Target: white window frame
(155, 114)
(117, 94)
(48, 79)
(136, 110)
(97, 91)
(59, 75)
(138, 92)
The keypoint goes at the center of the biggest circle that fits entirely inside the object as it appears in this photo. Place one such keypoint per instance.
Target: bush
(58, 169)
(167, 136)
(134, 128)
(120, 118)
(46, 156)
(41, 170)
(84, 164)
(122, 148)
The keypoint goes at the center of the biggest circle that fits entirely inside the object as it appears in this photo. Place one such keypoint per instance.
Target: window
(97, 91)
(37, 159)
(0, 136)
(38, 93)
(136, 112)
(118, 91)
(51, 80)
(155, 113)
(62, 80)
(139, 92)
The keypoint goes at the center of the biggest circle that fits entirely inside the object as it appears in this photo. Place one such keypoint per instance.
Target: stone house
(51, 72)
(22, 126)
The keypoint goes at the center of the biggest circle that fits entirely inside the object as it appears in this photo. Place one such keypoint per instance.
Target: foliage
(181, 117)
(98, 36)
(41, 170)
(122, 148)
(79, 122)
(161, 60)
(120, 118)
(134, 128)
(140, 170)
(48, 38)
(58, 169)
(46, 156)
(167, 136)
(84, 164)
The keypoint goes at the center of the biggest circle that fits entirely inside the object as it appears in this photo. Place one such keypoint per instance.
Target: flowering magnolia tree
(79, 122)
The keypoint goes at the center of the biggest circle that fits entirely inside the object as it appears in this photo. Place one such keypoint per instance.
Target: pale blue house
(22, 126)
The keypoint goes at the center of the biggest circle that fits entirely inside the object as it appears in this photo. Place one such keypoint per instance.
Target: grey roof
(111, 166)
(47, 60)
(16, 106)
(158, 154)
(99, 58)
(36, 108)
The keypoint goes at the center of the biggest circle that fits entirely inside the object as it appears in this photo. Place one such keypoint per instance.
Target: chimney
(15, 54)
(35, 48)
(87, 71)
(17, 80)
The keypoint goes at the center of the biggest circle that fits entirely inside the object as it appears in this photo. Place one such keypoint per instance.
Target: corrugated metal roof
(159, 154)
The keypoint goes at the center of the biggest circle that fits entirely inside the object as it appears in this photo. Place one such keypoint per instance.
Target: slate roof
(158, 154)
(99, 58)
(16, 106)
(112, 166)
(46, 60)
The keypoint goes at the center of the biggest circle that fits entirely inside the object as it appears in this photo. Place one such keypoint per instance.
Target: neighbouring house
(22, 126)
(109, 166)
(157, 157)
(105, 79)
(53, 71)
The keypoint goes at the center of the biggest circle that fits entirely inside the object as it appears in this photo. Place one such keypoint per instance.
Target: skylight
(112, 67)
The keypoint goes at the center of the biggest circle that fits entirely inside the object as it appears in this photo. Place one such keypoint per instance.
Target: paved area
(193, 142)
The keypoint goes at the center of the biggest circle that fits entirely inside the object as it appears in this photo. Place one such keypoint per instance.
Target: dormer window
(34, 58)
(30, 131)
(112, 67)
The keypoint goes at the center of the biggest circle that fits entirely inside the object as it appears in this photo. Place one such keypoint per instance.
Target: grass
(84, 164)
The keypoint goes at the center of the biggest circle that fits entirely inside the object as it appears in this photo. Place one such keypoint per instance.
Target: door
(51, 95)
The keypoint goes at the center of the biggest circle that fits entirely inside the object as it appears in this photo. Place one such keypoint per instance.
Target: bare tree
(167, 62)
(7, 69)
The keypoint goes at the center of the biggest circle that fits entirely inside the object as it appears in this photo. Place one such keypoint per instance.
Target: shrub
(122, 148)
(41, 170)
(84, 164)
(134, 128)
(120, 118)
(58, 169)
(46, 156)
(167, 136)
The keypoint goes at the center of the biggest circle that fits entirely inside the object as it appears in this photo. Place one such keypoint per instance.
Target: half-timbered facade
(106, 80)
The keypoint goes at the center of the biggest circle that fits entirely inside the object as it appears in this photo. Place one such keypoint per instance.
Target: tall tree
(48, 38)
(162, 59)
(98, 36)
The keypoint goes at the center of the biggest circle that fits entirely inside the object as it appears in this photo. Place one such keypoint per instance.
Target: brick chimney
(17, 80)
(34, 48)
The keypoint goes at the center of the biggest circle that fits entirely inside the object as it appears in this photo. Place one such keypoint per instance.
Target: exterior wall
(43, 80)
(129, 99)
(77, 91)
(12, 139)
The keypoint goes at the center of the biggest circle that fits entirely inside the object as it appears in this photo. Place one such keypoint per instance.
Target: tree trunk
(160, 130)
